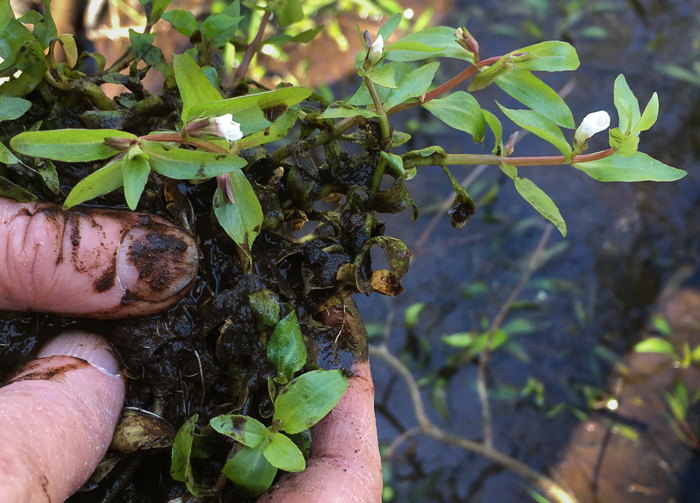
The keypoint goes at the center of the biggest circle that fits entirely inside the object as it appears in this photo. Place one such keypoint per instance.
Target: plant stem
(250, 51)
(178, 138)
(547, 485)
(318, 140)
(81, 86)
(447, 86)
(494, 160)
(379, 108)
(497, 322)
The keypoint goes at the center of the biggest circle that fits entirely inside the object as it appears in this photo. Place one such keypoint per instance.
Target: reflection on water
(589, 303)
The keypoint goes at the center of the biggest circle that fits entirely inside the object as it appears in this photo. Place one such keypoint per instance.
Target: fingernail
(163, 258)
(90, 347)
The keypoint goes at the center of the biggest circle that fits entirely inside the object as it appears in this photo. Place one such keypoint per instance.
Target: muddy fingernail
(90, 347)
(163, 260)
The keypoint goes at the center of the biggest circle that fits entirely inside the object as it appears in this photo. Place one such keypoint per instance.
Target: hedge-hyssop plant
(222, 131)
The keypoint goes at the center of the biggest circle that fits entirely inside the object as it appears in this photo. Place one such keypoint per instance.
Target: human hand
(58, 414)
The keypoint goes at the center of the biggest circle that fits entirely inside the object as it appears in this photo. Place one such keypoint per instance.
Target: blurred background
(571, 393)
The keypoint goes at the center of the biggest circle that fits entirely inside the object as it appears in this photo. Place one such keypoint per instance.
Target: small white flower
(376, 50)
(593, 123)
(227, 128)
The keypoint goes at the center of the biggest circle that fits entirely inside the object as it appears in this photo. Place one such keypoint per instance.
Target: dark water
(625, 242)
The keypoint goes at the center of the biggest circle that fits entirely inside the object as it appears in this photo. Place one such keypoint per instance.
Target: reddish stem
(250, 51)
(447, 86)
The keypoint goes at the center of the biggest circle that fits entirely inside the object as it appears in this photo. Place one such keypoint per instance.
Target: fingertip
(92, 348)
(57, 418)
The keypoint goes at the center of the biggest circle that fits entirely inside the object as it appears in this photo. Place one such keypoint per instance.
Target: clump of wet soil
(207, 355)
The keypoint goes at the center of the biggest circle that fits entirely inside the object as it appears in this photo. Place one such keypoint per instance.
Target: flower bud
(593, 123)
(223, 182)
(223, 127)
(119, 142)
(469, 43)
(376, 51)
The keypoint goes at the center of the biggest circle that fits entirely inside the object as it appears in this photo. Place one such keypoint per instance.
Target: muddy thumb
(57, 417)
(91, 262)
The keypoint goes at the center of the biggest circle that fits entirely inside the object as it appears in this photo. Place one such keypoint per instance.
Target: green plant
(253, 147)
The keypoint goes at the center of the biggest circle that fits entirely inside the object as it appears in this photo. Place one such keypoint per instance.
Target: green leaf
(510, 171)
(182, 20)
(283, 454)
(13, 108)
(649, 116)
(441, 38)
(135, 172)
(70, 48)
(48, 173)
(626, 104)
(395, 162)
(541, 202)
(535, 94)
(661, 325)
(414, 84)
(397, 254)
(7, 157)
(342, 110)
(220, 28)
(485, 77)
(362, 96)
(182, 447)
(541, 126)
(181, 466)
(102, 181)
(194, 86)
(382, 76)
(72, 145)
(551, 56)
(9, 189)
(458, 340)
(252, 111)
(141, 43)
(308, 398)
(182, 164)
(6, 14)
(249, 469)
(244, 429)
(497, 129)
(461, 111)
(157, 9)
(410, 316)
(626, 145)
(241, 220)
(286, 351)
(289, 12)
(45, 31)
(408, 45)
(637, 168)
(307, 36)
(278, 130)
(265, 307)
(656, 345)
(391, 24)
(27, 58)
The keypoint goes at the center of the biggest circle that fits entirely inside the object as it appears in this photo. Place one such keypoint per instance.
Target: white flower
(376, 50)
(593, 123)
(227, 128)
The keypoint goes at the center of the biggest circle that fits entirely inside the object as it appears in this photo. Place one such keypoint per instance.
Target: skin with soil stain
(149, 262)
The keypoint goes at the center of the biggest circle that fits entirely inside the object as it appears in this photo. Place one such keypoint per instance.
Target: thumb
(57, 417)
(92, 263)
